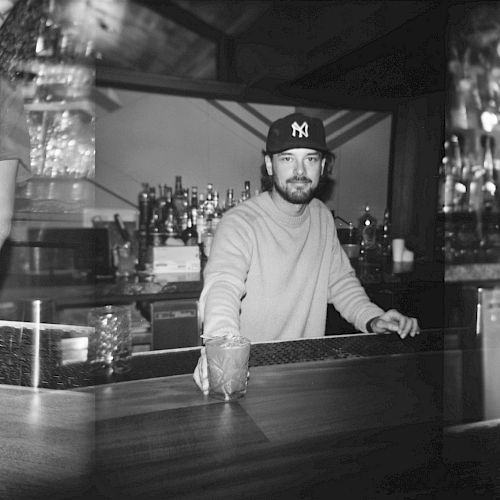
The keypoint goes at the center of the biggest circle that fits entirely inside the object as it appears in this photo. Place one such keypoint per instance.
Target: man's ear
(269, 164)
(323, 162)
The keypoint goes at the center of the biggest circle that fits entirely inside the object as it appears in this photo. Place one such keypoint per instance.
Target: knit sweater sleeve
(346, 293)
(225, 275)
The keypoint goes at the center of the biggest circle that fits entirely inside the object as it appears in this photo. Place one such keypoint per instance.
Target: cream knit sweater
(270, 275)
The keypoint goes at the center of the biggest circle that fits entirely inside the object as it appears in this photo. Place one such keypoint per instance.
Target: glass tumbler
(227, 361)
(110, 345)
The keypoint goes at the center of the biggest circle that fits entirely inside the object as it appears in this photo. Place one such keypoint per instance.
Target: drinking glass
(227, 360)
(110, 345)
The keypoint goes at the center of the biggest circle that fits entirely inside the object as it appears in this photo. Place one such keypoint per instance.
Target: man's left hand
(394, 321)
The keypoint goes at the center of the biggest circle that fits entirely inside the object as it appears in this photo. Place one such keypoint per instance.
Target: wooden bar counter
(359, 427)
(46, 443)
(304, 430)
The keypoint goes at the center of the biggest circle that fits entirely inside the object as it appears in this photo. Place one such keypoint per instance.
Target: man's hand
(200, 374)
(394, 321)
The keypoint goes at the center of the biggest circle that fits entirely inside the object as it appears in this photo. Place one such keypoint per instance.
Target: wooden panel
(419, 136)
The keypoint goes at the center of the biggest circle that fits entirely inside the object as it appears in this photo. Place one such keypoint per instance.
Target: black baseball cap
(296, 131)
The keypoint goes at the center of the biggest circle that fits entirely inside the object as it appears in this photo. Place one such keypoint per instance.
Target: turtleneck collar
(282, 217)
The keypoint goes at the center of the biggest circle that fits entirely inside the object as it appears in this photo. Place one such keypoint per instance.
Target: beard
(298, 194)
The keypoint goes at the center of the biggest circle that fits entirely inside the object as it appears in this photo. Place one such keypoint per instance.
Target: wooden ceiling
(365, 47)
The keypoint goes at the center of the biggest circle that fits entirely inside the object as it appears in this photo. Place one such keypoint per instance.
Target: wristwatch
(369, 328)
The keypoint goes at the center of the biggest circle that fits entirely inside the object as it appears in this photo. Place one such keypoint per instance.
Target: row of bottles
(372, 239)
(469, 200)
(468, 181)
(182, 216)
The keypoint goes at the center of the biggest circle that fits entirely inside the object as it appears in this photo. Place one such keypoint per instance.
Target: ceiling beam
(149, 82)
(188, 20)
(184, 18)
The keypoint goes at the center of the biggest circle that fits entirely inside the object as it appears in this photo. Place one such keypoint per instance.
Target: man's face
(296, 173)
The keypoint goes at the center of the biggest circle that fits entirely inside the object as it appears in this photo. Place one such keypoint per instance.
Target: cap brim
(280, 150)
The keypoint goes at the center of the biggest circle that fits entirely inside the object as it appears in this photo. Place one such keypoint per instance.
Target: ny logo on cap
(301, 130)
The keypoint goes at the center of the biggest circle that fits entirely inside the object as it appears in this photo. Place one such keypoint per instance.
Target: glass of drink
(227, 360)
(110, 345)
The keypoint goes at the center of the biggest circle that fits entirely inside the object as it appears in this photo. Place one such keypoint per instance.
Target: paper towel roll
(398, 247)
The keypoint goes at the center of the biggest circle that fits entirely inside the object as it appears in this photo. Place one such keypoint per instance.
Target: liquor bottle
(217, 214)
(200, 219)
(367, 226)
(476, 189)
(172, 236)
(190, 234)
(183, 216)
(362, 257)
(470, 166)
(462, 187)
(161, 202)
(472, 151)
(155, 230)
(152, 201)
(447, 180)
(169, 205)
(351, 244)
(178, 197)
(207, 238)
(458, 176)
(144, 212)
(490, 183)
(444, 187)
(142, 249)
(229, 203)
(193, 206)
(201, 202)
(208, 207)
(247, 194)
(385, 237)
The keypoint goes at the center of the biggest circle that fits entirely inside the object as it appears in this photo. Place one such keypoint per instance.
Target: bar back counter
(354, 416)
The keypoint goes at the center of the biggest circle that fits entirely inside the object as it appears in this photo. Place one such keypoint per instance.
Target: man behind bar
(276, 261)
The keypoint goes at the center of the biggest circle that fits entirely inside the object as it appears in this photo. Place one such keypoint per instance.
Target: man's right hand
(200, 374)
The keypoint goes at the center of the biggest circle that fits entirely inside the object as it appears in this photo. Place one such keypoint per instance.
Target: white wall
(361, 172)
(153, 137)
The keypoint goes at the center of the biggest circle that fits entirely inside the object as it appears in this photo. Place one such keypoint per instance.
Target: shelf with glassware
(56, 79)
(61, 122)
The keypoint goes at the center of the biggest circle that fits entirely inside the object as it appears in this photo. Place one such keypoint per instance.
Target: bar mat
(340, 347)
(17, 361)
(19, 364)
(165, 363)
